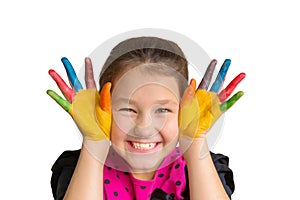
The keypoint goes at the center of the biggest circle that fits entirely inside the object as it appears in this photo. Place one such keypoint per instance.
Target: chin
(144, 162)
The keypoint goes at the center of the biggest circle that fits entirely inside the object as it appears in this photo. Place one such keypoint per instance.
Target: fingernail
(193, 84)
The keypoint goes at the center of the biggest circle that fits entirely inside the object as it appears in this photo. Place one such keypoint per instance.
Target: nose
(144, 126)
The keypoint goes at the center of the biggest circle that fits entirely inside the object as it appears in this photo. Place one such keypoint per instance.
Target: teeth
(143, 146)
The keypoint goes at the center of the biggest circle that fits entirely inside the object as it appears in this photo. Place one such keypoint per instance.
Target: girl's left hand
(199, 109)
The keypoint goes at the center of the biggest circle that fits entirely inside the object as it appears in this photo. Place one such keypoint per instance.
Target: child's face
(145, 118)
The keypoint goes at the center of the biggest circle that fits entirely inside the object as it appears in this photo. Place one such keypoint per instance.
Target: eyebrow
(159, 101)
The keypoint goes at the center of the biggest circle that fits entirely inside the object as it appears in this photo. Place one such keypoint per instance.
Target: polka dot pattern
(178, 183)
(122, 185)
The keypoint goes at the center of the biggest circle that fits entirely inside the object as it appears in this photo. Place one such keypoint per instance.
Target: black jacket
(64, 166)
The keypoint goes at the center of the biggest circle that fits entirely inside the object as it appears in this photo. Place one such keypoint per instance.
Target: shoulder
(62, 171)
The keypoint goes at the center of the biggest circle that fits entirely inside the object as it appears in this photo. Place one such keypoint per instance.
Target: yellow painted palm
(199, 109)
(90, 110)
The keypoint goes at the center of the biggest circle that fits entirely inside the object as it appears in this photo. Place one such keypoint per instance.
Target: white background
(261, 37)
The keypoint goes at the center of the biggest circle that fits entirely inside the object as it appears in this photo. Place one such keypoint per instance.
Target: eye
(127, 110)
(162, 110)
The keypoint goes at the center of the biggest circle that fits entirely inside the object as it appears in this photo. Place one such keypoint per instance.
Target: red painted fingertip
(242, 75)
(51, 71)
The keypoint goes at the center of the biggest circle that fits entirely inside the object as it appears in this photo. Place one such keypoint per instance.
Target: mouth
(143, 147)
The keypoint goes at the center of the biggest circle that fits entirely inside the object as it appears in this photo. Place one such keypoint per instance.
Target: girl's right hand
(90, 110)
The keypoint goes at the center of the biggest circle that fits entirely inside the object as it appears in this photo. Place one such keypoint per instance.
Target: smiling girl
(144, 133)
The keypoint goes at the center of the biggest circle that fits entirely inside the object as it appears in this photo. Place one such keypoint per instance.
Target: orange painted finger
(105, 97)
(188, 93)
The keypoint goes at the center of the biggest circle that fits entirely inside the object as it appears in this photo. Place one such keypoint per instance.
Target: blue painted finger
(71, 74)
(221, 76)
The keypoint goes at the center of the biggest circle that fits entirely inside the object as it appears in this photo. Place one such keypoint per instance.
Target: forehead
(143, 78)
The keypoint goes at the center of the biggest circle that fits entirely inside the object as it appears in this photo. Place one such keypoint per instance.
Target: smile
(143, 147)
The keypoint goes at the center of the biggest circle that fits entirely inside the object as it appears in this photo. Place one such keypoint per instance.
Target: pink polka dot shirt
(171, 179)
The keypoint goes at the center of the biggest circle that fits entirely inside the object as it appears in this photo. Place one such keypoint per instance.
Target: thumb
(188, 93)
(105, 97)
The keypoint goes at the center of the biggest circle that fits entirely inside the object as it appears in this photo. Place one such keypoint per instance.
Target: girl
(131, 128)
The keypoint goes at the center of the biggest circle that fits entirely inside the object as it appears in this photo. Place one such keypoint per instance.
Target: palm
(90, 111)
(201, 108)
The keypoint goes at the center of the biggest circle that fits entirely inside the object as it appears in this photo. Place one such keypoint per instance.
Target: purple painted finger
(89, 74)
(208, 75)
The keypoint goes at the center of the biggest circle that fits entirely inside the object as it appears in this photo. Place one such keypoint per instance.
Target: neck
(143, 175)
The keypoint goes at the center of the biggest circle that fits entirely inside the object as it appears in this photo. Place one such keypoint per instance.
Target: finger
(208, 75)
(221, 76)
(64, 88)
(227, 104)
(62, 102)
(71, 74)
(188, 93)
(224, 94)
(89, 74)
(105, 97)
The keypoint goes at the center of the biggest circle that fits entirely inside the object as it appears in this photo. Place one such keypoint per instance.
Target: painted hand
(199, 109)
(90, 110)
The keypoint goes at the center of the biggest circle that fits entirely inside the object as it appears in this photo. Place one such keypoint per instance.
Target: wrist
(194, 148)
(98, 150)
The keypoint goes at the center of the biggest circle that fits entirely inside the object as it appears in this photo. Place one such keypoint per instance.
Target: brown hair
(135, 51)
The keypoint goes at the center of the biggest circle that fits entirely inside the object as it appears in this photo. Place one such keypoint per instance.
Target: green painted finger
(62, 102)
(227, 104)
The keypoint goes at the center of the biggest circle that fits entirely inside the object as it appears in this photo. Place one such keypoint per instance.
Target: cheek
(166, 126)
(117, 135)
(170, 130)
(123, 122)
